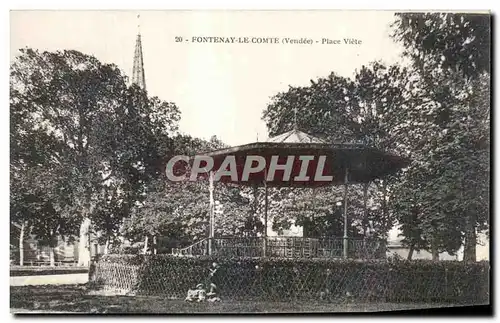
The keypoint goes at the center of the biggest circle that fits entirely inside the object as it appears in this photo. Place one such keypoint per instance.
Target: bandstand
(312, 163)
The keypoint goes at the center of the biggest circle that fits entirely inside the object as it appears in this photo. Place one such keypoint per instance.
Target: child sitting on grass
(200, 294)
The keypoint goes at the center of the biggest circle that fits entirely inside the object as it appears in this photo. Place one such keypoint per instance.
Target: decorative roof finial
(138, 23)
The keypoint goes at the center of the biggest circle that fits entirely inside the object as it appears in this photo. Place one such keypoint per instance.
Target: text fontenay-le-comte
(272, 40)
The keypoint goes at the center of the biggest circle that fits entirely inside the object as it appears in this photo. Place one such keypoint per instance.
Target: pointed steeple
(138, 71)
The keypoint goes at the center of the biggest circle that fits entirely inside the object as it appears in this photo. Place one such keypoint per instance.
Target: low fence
(46, 270)
(269, 279)
(287, 247)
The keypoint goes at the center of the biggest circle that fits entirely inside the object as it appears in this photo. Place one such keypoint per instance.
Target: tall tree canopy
(179, 211)
(458, 42)
(370, 108)
(75, 119)
(444, 198)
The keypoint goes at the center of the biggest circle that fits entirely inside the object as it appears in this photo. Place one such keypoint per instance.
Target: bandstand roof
(364, 163)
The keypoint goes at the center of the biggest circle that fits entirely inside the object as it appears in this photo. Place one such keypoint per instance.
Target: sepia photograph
(249, 161)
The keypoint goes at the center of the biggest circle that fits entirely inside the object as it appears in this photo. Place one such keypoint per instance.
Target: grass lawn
(75, 298)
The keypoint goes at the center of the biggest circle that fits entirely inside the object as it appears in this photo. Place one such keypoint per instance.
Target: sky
(221, 89)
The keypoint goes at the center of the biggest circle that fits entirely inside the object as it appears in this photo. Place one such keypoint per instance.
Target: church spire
(138, 71)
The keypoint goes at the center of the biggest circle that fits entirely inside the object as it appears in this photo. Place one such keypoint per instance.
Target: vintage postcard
(249, 161)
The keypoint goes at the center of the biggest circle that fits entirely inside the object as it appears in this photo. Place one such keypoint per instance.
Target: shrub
(280, 279)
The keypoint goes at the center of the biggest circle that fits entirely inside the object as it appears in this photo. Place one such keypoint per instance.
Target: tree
(40, 207)
(370, 108)
(450, 56)
(319, 109)
(454, 42)
(179, 211)
(105, 137)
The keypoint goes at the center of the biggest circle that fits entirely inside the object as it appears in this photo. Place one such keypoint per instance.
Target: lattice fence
(278, 280)
(287, 247)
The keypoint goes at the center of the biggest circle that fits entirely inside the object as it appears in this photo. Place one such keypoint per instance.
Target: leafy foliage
(369, 108)
(83, 143)
(458, 42)
(179, 211)
(443, 198)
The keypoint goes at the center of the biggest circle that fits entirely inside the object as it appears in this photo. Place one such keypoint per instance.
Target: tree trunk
(470, 243)
(385, 209)
(410, 252)
(365, 208)
(52, 257)
(21, 244)
(435, 255)
(84, 243)
(145, 250)
(434, 250)
(154, 245)
(106, 247)
(470, 233)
